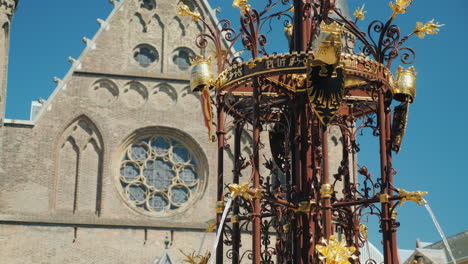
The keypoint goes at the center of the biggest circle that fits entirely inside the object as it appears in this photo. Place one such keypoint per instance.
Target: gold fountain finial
(399, 7)
(335, 252)
(242, 5)
(416, 196)
(184, 10)
(359, 13)
(429, 28)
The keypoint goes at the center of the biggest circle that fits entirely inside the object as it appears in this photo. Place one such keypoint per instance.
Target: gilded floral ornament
(243, 190)
(359, 13)
(363, 230)
(335, 252)
(184, 10)
(399, 7)
(242, 5)
(416, 196)
(211, 225)
(196, 259)
(429, 28)
(239, 190)
(303, 207)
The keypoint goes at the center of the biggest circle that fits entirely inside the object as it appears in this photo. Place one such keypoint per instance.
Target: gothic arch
(78, 183)
(163, 95)
(134, 94)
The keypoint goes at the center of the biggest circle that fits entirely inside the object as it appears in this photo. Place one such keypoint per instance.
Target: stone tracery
(159, 174)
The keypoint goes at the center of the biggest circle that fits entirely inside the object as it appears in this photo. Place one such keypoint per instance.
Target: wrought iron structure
(334, 74)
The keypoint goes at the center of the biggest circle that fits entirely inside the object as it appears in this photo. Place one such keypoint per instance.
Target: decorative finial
(89, 42)
(57, 80)
(242, 5)
(184, 10)
(399, 7)
(71, 59)
(359, 13)
(429, 28)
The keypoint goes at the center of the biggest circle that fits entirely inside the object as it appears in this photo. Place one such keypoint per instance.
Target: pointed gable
(139, 39)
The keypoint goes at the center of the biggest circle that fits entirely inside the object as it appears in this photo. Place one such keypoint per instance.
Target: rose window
(159, 174)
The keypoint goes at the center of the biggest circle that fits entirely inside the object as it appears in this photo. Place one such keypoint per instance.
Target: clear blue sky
(433, 156)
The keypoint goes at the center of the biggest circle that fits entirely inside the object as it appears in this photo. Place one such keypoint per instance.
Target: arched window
(148, 4)
(145, 54)
(182, 58)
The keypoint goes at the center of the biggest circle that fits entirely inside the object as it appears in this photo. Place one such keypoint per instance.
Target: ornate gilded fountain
(334, 75)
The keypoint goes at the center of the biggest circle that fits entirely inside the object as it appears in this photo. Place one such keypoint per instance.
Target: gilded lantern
(405, 88)
(201, 75)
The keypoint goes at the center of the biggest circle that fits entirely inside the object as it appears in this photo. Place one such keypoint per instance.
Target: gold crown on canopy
(333, 28)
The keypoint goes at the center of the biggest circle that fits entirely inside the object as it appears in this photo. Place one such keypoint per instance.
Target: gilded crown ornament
(405, 87)
(201, 75)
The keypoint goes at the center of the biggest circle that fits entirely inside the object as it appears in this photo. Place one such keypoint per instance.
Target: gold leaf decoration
(359, 13)
(196, 259)
(243, 190)
(399, 7)
(429, 28)
(184, 10)
(239, 190)
(211, 225)
(335, 252)
(363, 230)
(242, 5)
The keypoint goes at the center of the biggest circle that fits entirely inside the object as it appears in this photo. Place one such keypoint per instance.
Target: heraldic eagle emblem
(325, 74)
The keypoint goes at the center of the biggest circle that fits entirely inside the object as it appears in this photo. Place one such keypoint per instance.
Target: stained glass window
(158, 174)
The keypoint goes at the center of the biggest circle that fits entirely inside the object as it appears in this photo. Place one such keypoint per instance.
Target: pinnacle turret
(7, 7)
